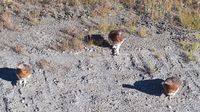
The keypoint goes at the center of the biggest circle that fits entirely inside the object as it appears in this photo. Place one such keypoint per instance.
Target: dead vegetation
(189, 19)
(6, 21)
(189, 49)
(42, 64)
(105, 26)
(131, 25)
(186, 12)
(103, 10)
(33, 17)
(156, 53)
(66, 44)
(71, 40)
(72, 31)
(143, 32)
(7, 1)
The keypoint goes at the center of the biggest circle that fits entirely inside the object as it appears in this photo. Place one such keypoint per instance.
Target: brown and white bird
(23, 72)
(172, 85)
(116, 38)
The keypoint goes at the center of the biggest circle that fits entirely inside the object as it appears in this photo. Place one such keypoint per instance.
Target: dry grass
(56, 2)
(67, 44)
(102, 10)
(189, 19)
(76, 43)
(72, 31)
(15, 7)
(197, 35)
(156, 54)
(81, 2)
(105, 26)
(128, 3)
(6, 19)
(143, 32)
(131, 25)
(34, 17)
(42, 64)
(190, 48)
(71, 40)
(188, 11)
(7, 1)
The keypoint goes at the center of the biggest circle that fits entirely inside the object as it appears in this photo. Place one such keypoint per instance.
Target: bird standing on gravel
(23, 72)
(116, 38)
(171, 86)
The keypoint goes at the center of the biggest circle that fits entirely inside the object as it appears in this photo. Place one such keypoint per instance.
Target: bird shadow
(9, 74)
(151, 87)
(97, 40)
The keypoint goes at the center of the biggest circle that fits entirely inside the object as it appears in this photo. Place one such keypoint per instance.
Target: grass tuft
(143, 32)
(6, 21)
(190, 48)
(189, 19)
(197, 35)
(105, 26)
(34, 17)
(7, 1)
(131, 25)
(102, 10)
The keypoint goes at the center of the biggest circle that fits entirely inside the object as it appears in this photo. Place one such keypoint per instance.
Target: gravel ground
(91, 79)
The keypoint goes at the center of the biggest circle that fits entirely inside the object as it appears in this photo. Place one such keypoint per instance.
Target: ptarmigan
(172, 85)
(116, 38)
(23, 72)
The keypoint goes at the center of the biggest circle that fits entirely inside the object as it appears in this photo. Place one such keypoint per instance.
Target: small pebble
(168, 106)
(22, 100)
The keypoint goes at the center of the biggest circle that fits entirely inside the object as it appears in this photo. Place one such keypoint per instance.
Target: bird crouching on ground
(116, 39)
(171, 86)
(23, 72)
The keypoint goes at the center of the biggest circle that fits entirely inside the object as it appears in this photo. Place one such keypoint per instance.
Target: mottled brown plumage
(171, 85)
(116, 38)
(23, 72)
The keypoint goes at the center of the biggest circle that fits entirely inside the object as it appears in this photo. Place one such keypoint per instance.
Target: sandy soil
(91, 79)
